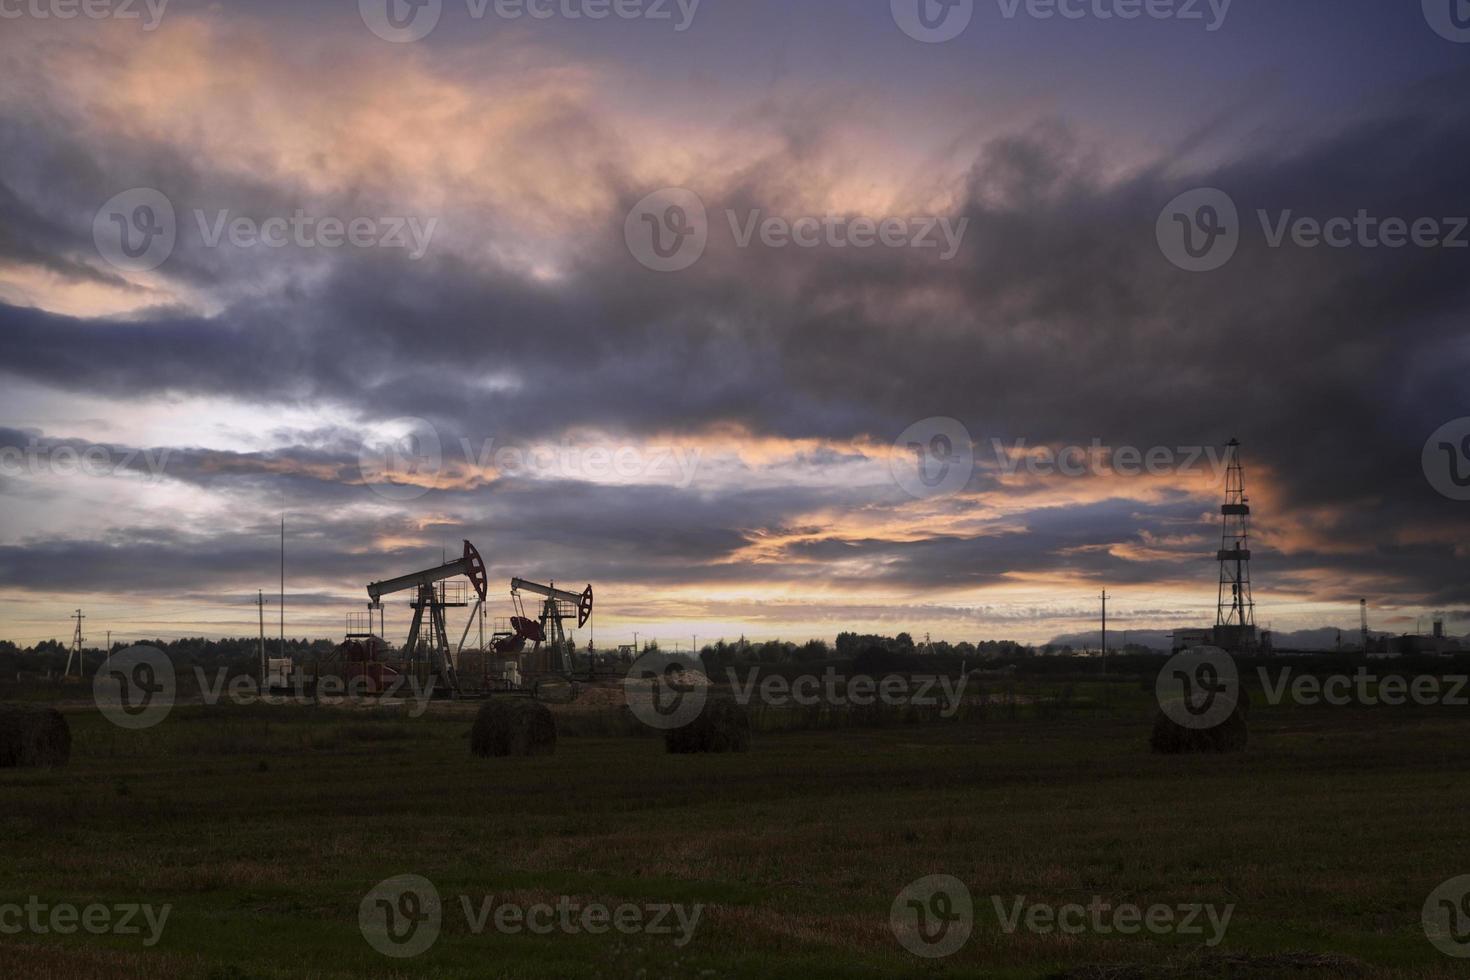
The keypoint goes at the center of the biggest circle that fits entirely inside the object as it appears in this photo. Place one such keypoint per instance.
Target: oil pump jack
(558, 605)
(433, 596)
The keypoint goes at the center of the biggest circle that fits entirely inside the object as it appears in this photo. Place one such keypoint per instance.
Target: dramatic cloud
(755, 396)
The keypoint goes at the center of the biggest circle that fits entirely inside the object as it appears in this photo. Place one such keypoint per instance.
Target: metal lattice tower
(1236, 607)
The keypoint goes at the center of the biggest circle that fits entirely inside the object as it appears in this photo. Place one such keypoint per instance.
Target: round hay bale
(33, 736)
(1171, 738)
(513, 727)
(723, 726)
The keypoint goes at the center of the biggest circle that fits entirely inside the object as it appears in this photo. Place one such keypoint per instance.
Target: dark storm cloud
(1071, 541)
(1059, 321)
(1061, 300)
(27, 237)
(533, 527)
(521, 537)
(543, 529)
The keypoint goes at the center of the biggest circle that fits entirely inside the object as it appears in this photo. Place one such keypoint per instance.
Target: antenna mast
(283, 585)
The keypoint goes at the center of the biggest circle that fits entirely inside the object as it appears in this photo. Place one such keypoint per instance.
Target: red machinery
(359, 660)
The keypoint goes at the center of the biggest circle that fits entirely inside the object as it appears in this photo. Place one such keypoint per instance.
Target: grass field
(264, 827)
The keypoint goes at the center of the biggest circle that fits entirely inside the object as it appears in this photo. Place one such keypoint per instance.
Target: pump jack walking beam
(471, 566)
(583, 600)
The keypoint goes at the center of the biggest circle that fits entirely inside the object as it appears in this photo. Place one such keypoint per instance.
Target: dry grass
(1327, 834)
(38, 962)
(33, 736)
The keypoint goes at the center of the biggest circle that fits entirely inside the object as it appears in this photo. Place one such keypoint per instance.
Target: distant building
(1235, 637)
(1232, 637)
(1435, 644)
(1184, 639)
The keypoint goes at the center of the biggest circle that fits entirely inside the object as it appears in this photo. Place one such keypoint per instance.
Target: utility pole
(264, 678)
(1105, 631)
(108, 657)
(76, 648)
(636, 651)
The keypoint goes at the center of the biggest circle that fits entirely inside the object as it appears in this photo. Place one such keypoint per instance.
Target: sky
(766, 319)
